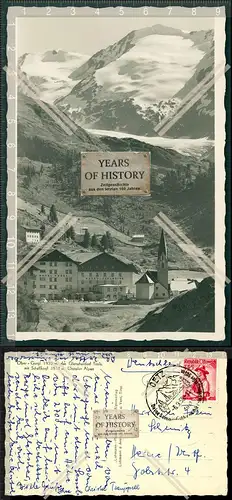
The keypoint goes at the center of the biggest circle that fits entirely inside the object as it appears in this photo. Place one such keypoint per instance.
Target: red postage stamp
(205, 370)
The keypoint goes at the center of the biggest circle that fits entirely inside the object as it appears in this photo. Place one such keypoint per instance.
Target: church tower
(162, 264)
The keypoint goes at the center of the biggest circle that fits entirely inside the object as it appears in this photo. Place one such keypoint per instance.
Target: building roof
(92, 261)
(30, 228)
(145, 279)
(162, 245)
(153, 274)
(151, 277)
(35, 267)
(105, 261)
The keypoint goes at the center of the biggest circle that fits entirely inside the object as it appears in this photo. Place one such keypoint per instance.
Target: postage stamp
(116, 180)
(206, 370)
(166, 389)
(115, 423)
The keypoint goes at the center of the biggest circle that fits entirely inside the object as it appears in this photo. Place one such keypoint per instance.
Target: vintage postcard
(132, 423)
(116, 177)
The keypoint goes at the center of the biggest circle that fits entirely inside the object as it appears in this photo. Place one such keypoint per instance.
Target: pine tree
(42, 231)
(72, 234)
(110, 241)
(94, 242)
(86, 241)
(53, 215)
(42, 209)
(104, 242)
(107, 206)
(65, 328)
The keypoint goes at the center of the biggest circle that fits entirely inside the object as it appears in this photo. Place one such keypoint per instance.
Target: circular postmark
(170, 391)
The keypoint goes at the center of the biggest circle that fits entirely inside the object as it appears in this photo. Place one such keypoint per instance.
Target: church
(153, 285)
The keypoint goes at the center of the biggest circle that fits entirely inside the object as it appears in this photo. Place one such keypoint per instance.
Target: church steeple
(162, 246)
(162, 264)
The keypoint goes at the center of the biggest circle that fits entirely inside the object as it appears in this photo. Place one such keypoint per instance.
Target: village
(65, 273)
(95, 276)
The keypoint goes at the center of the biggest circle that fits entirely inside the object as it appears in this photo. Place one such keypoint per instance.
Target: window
(97, 274)
(115, 296)
(163, 294)
(104, 274)
(42, 271)
(34, 285)
(55, 287)
(108, 289)
(66, 279)
(115, 289)
(82, 282)
(55, 271)
(70, 279)
(50, 271)
(120, 274)
(156, 294)
(42, 295)
(82, 289)
(55, 279)
(90, 274)
(50, 263)
(157, 288)
(42, 278)
(90, 281)
(67, 271)
(42, 286)
(70, 271)
(66, 264)
(112, 274)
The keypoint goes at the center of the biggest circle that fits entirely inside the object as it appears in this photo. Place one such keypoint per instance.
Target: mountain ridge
(117, 87)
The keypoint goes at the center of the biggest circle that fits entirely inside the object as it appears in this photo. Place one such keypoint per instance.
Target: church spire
(162, 264)
(162, 246)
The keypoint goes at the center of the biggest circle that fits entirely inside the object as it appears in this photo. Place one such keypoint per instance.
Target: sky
(87, 35)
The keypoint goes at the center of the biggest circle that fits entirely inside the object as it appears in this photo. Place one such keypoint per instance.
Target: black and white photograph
(133, 264)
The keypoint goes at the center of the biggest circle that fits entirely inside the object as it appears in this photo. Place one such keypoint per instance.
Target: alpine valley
(116, 99)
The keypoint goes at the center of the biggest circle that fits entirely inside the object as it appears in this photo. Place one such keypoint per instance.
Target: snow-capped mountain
(50, 71)
(133, 84)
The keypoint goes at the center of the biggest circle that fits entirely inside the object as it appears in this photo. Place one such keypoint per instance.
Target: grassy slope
(85, 317)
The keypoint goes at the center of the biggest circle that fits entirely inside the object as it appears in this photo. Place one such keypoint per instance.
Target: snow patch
(55, 74)
(183, 146)
(155, 69)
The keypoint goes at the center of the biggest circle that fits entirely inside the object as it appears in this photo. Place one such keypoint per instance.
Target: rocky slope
(191, 311)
